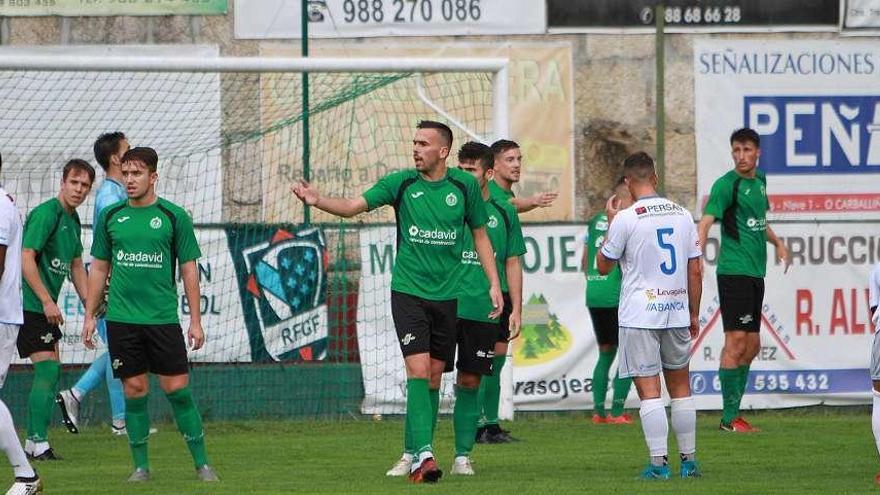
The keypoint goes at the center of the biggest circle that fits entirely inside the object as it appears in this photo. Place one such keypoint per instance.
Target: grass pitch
(812, 451)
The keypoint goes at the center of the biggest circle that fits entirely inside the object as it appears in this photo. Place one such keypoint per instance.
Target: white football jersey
(874, 295)
(653, 240)
(10, 283)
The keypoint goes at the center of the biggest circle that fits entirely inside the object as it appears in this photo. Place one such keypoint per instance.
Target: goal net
(295, 326)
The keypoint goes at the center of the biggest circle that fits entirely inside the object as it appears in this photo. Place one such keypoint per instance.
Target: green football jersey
(56, 237)
(499, 193)
(603, 291)
(744, 233)
(144, 246)
(432, 217)
(505, 234)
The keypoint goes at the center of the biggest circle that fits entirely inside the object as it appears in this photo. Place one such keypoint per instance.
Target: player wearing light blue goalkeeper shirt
(109, 149)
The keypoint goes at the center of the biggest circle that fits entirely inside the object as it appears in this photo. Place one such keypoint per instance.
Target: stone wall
(614, 90)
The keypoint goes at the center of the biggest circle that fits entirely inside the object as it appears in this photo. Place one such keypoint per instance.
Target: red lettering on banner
(838, 313)
(856, 327)
(847, 202)
(804, 312)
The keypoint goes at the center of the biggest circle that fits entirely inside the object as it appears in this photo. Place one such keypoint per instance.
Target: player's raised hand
(612, 206)
(497, 302)
(515, 326)
(305, 192)
(544, 199)
(196, 336)
(88, 332)
(53, 314)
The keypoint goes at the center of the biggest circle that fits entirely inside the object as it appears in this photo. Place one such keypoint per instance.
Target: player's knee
(468, 380)
(135, 388)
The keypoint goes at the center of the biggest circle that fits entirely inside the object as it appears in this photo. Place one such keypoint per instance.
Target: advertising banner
(76, 8)
(281, 19)
(816, 107)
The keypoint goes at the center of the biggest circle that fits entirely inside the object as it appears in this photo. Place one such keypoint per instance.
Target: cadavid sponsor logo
(493, 222)
(435, 237)
(59, 267)
(140, 259)
(542, 338)
(469, 257)
(756, 224)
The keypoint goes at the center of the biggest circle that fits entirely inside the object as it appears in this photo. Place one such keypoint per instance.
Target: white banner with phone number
(280, 19)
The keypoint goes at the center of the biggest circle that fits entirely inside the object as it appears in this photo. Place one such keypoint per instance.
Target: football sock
(434, 394)
(41, 400)
(875, 418)
(92, 377)
(418, 410)
(600, 380)
(490, 391)
(11, 446)
(464, 419)
(654, 426)
(621, 391)
(730, 387)
(137, 422)
(683, 417)
(743, 383)
(189, 422)
(408, 447)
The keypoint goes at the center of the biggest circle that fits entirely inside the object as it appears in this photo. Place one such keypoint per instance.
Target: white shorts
(8, 336)
(646, 352)
(875, 358)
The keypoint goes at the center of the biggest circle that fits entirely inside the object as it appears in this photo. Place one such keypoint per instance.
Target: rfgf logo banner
(816, 107)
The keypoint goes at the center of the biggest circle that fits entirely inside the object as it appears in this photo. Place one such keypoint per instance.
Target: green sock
(408, 447)
(137, 423)
(743, 383)
(600, 380)
(41, 400)
(490, 392)
(434, 394)
(418, 410)
(189, 422)
(464, 419)
(621, 391)
(729, 378)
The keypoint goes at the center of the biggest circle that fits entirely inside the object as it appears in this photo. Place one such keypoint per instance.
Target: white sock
(875, 419)
(11, 445)
(39, 448)
(655, 426)
(683, 417)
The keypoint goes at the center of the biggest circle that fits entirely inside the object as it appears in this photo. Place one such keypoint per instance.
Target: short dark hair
(745, 135)
(443, 129)
(477, 152)
(638, 166)
(142, 154)
(503, 145)
(79, 165)
(107, 144)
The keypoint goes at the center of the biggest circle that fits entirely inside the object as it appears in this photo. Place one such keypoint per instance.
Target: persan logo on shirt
(641, 210)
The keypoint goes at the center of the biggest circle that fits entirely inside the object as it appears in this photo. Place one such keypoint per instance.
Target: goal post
(227, 133)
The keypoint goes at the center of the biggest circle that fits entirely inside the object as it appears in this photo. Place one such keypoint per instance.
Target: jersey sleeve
(874, 287)
(39, 225)
(383, 192)
(185, 239)
(719, 199)
(476, 215)
(694, 248)
(101, 238)
(6, 219)
(516, 245)
(616, 237)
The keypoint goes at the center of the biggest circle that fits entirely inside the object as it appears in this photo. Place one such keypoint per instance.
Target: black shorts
(741, 298)
(476, 346)
(504, 335)
(425, 326)
(605, 325)
(36, 335)
(137, 349)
